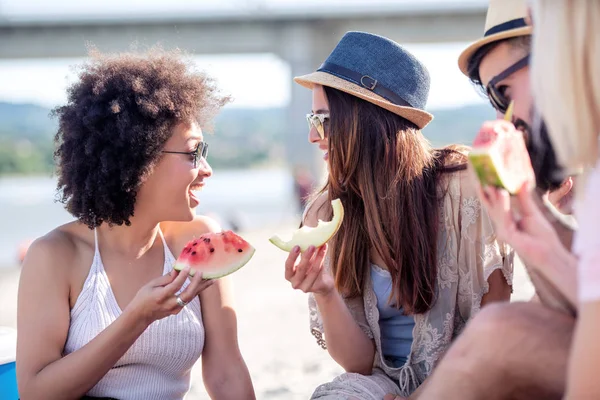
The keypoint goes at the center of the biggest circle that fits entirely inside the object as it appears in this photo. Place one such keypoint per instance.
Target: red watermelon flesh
(500, 157)
(490, 130)
(215, 254)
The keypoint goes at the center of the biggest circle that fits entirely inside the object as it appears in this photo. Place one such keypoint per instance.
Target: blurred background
(259, 151)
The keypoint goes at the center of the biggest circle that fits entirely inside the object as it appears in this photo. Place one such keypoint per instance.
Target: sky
(22, 8)
(44, 81)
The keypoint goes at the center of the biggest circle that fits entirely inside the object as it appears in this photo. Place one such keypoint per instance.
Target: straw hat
(505, 19)
(378, 70)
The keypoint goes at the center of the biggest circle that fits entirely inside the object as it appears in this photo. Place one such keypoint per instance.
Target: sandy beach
(283, 358)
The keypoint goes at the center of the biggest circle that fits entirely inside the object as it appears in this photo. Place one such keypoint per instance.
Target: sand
(282, 356)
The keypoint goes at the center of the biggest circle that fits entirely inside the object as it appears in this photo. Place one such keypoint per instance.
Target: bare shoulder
(55, 255)
(318, 209)
(178, 234)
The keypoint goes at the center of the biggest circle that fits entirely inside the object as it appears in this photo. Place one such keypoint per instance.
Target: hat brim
(465, 56)
(418, 117)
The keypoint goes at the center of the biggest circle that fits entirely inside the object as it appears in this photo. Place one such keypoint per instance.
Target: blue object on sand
(8, 373)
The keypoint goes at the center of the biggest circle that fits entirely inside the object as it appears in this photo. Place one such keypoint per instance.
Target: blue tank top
(396, 328)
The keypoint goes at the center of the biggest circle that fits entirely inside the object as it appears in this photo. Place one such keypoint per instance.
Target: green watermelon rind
(489, 173)
(338, 215)
(285, 246)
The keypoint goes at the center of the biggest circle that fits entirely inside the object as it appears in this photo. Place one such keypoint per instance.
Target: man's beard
(549, 174)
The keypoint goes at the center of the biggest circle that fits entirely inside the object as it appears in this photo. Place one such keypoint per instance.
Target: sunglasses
(200, 151)
(318, 122)
(499, 101)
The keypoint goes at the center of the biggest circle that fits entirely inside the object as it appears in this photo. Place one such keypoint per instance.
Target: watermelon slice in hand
(500, 158)
(215, 254)
(317, 236)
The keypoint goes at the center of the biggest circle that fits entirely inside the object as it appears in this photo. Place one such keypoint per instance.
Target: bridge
(301, 36)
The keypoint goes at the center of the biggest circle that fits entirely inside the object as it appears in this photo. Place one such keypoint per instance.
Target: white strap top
(158, 364)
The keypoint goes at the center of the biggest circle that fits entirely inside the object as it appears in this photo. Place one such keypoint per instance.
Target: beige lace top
(468, 254)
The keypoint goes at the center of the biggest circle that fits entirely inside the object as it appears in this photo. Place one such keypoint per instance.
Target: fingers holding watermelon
(314, 272)
(520, 223)
(176, 284)
(310, 243)
(299, 271)
(501, 164)
(500, 158)
(163, 280)
(157, 300)
(290, 263)
(196, 286)
(497, 203)
(308, 274)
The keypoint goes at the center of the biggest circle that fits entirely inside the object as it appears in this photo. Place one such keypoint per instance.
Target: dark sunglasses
(200, 151)
(498, 100)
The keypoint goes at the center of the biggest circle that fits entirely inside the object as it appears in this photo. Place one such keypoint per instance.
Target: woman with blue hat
(416, 256)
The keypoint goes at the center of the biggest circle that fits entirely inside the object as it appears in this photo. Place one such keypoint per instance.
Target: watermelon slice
(316, 236)
(500, 158)
(215, 254)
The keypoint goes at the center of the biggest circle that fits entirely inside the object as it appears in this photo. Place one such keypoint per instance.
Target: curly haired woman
(117, 320)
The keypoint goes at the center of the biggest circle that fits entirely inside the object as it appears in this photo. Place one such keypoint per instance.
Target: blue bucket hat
(378, 70)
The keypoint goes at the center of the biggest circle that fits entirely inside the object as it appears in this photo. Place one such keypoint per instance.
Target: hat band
(365, 81)
(507, 26)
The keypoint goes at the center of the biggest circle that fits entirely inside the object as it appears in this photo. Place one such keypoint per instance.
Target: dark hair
(386, 175)
(118, 116)
(519, 42)
(549, 173)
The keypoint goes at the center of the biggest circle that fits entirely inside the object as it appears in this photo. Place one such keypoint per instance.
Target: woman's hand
(521, 224)
(309, 274)
(158, 299)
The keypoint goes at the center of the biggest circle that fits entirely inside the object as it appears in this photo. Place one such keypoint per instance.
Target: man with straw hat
(516, 350)
(498, 63)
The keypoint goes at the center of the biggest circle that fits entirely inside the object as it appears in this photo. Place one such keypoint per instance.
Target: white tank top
(158, 365)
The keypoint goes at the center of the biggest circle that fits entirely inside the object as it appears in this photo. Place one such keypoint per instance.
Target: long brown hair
(386, 175)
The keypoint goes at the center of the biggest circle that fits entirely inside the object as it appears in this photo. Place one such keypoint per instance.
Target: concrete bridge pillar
(304, 46)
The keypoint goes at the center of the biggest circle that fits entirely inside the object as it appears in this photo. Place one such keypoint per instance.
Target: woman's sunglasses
(200, 151)
(318, 122)
(499, 100)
